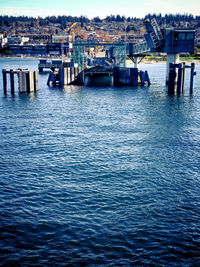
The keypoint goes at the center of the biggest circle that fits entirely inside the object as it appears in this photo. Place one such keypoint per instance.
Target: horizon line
(90, 18)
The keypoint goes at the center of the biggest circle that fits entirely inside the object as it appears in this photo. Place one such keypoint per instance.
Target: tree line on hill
(170, 18)
(64, 20)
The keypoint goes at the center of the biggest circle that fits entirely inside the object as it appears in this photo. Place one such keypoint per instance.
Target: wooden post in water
(76, 71)
(12, 82)
(61, 76)
(4, 82)
(147, 78)
(54, 79)
(35, 81)
(193, 73)
(68, 76)
(134, 76)
(82, 77)
(172, 77)
(30, 82)
(116, 76)
(179, 81)
(72, 74)
(183, 77)
(50, 77)
(22, 82)
(27, 82)
(141, 74)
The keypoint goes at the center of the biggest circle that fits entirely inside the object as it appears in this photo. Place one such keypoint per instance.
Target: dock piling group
(66, 76)
(27, 80)
(177, 78)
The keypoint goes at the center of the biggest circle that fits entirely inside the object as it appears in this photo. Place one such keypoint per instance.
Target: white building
(3, 40)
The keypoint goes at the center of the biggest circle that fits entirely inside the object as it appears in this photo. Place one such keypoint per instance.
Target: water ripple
(100, 176)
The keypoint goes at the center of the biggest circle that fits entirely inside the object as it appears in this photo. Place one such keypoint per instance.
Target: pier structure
(177, 77)
(171, 41)
(27, 80)
(114, 64)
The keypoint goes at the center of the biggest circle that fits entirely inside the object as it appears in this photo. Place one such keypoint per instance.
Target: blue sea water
(100, 176)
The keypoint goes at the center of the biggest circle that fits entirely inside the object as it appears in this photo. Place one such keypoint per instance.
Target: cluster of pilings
(177, 77)
(66, 76)
(27, 80)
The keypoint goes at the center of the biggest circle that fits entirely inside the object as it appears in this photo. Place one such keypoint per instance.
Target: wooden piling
(54, 80)
(141, 75)
(50, 78)
(30, 81)
(183, 77)
(193, 73)
(12, 82)
(147, 78)
(35, 81)
(116, 76)
(68, 76)
(61, 76)
(4, 82)
(76, 71)
(179, 81)
(81, 76)
(72, 74)
(172, 78)
(22, 82)
(134, 76)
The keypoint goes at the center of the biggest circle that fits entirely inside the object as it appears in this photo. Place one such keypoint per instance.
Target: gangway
(137, 49)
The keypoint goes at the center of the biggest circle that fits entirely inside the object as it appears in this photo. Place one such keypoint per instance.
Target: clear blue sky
(101, 8)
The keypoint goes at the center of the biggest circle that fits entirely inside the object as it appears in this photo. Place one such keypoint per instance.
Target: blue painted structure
(169, 40)
(42, 50)
(179, 41)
